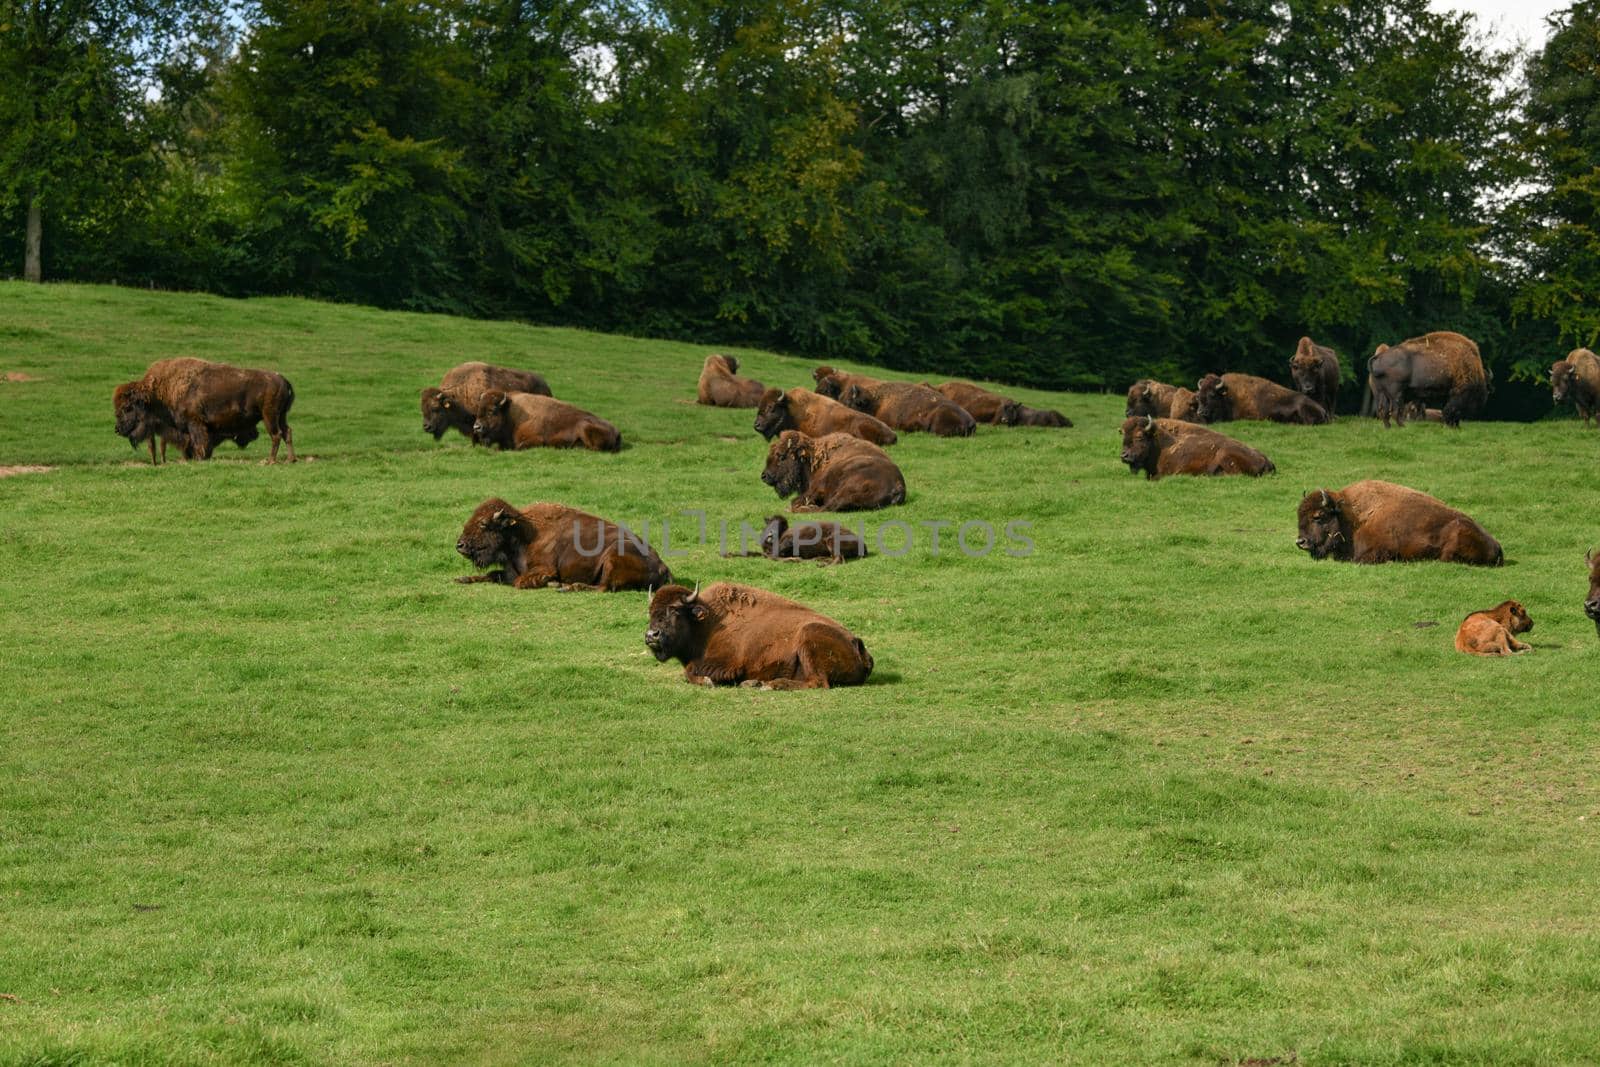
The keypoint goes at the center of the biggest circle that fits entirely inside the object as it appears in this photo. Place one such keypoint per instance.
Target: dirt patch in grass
(6, 472)
(18, 376)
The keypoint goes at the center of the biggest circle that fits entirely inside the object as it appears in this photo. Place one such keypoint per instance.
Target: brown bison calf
(1221, 397)
(201, 404)
(1578, 377)
(1380, 522)
(1489, 633)
(732, 634)
(545, 544)
(996, 410)
(1441, 366)
(1315, 369)
(1591, 606)
(911, 407)
(810, 540)
(456, 401)
(1160, 447)
(523, 420)
(836, 472)
(721, 387)
(816, 416)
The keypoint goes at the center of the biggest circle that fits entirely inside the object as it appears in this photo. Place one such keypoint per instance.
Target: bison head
(676, 614)
(442, 410)
(494, 533)
(788, 468)
(1591, 607)
(731, 363)
(1010, 413)
(772, 533)
(1306, 366)
(1322, 526)
(830, 384)
(859, 399)
(772, 414)
(1211, 399)
(1513, 616)
(131, 405)
(493, 424)
(1140, 443)
(1562, 377)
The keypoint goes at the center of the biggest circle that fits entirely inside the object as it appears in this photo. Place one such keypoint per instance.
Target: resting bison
(1442, 367)
(1578, 377)
(1160, 447)
(815, 416)
(200, 404)
(1148, 397)
(1489, 633)
(1316, 372)
(1185, 405)
(523, 420)
(545, 544)
(732, 634)
(810, 540)
(1380, 522)
(1220, 398)
(836, 472)
(911, 407)
(1591, 606)
(455, 402)
(997, 410)
(832, 383)
(720, 387)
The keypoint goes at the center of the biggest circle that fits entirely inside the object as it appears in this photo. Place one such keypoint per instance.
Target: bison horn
(695, 594)
(1325, 501)
(1149, 422)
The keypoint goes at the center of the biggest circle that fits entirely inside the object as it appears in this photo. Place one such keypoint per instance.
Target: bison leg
(153, 451)
(492, 576)
(697, 679)
(529, 580)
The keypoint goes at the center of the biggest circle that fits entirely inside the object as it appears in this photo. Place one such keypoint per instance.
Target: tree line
(1069, 195)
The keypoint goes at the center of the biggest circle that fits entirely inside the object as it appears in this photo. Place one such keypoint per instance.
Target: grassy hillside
(273, 788)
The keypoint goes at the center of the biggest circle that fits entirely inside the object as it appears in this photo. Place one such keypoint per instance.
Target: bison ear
(699, 612)
(1381, 350)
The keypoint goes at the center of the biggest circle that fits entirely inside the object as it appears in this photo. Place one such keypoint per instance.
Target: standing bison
(1221, 397)
(996, 410)
(456, 401)
(720, 386)
(552, 544)
(1160, 447)
(837, 472)
(1578, 377)
(732, 634)
(1315, 369)
(1442, 367)
(815, 416)
(1380, 522)
(523, 420)
(200, 404)
(911, 407)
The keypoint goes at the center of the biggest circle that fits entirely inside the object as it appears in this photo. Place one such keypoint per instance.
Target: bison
(835, 472)
(720, 387)
(1219, 398)
(1442, 366)
(552, 544)
(816, 416)
(911, 407)
(997, 410)
(832, 383)
(810, 540)
(1315, 369)
(456, 400)
(524, 420)
(1380, 522)
(200, 404)
(1149, 397)
(1591, 606)
(1578, 377)
(1490, 633)
(732, 634)
(1160, 447)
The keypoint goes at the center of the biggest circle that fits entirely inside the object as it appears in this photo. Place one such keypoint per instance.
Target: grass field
(274, 789)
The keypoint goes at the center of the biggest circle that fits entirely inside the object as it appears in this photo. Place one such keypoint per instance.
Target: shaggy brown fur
(1160, 447)
(1578, 377)
(552, 544)
(1148, 397)
(832, 383)
(810, 540)
(1489, 633)
(1219, 398)
(996, 410)
(730, 634)
(1380, 522)
(911, 407)
(1316, 372)
(200, 404)
(1591, 606)
(1442, 367)
(455, 402)
(523, 420)
(837, 472)
(816, 416)
(721, 387)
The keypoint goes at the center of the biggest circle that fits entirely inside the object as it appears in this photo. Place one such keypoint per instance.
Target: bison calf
(522, 420)
(1160, 447)
(1490, 633)
(1441, 366)
(738, 635)
(1380, 522)
(1578, 377)
(456, 401)
(1315, 369)
(200, 404)
(1221, 397)
(816, 416)
(810, 540)
(545, 544)
(720, 386)
(836, 472)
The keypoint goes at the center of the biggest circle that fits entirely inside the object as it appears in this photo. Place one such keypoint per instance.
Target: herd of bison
(827, 454)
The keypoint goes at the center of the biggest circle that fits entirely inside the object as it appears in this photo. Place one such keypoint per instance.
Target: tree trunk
(30, 264)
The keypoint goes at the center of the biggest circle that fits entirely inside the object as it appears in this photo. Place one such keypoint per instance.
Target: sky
(1510, 21)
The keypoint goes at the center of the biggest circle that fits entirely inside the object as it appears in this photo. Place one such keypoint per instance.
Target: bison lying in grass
(1160, 447)
(1380, 522)
(911, 407)
(810, 540)
(1491, 633)
(832, 383)
(456, 401)
(720, 386)
(732, 634)
(996, 410)
(816, 416)
(199, 404)
(1578, 377)
(836, 472)
(1221, 397)
(552, 544)
(1442, 367)
(522, 420)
